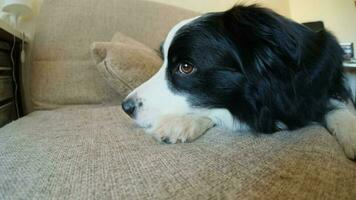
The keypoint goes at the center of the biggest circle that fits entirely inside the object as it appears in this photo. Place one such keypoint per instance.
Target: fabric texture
(125, 63)
(64, 32)
(95, 152)
(55, 80)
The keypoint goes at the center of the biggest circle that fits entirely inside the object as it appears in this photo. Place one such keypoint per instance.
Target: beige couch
(78, 144)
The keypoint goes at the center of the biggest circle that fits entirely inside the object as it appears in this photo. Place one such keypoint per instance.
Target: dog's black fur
(262, 67)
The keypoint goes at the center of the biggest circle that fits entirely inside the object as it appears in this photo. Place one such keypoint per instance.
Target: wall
(339, 16)
(281, 6)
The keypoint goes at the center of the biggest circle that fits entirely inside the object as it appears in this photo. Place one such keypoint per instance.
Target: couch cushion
(92, 152)
(125, 63)
(64, 33)
(60, 83)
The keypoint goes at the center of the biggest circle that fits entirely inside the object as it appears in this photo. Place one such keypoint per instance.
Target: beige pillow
(125, 63)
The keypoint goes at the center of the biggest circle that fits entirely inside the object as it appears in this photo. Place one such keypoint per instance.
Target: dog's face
(197, 76)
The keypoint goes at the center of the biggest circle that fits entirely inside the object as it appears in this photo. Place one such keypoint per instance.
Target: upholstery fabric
(125, 63)
(64, 33)
(95, 152)
(56, 80)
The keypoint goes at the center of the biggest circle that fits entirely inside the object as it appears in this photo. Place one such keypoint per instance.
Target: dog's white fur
(169, 117)
(185, 128)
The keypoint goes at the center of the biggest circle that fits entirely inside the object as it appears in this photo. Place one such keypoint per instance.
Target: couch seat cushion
(95, 152)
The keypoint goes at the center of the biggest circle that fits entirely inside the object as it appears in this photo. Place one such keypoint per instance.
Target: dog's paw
(342, 124)
(181, 128)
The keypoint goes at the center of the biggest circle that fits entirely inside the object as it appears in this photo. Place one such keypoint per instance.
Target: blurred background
(339, 16)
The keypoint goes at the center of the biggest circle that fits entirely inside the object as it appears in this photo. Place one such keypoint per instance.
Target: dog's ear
(261, 27)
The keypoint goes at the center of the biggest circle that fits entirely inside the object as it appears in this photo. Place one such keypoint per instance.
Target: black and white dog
(245, 69)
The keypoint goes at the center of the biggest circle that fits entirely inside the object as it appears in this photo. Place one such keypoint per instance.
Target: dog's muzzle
(129, 106)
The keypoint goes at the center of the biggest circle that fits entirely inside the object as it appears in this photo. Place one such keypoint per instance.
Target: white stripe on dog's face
(154, 98)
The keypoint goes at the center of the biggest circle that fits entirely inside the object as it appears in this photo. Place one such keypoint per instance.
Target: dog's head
(213, 66)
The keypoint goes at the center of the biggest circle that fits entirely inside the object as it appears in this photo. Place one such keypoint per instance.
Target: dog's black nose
(129, 106)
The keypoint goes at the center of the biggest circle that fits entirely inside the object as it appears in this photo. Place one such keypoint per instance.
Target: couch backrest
(62, 71)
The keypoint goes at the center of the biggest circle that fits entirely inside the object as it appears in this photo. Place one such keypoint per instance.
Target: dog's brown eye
(185, 68)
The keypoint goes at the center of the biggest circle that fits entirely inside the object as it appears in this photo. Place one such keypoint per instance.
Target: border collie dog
(245, 69)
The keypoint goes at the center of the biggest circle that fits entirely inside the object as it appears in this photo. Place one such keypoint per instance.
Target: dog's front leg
(342, 124)
(181, 128)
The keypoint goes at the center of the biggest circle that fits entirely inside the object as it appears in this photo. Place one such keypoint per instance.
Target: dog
(245, 69)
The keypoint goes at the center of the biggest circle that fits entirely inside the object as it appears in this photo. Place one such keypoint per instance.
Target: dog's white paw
(181, 128)
(342, 124)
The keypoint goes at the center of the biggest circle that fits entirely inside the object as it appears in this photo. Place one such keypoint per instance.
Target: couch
(76, 143)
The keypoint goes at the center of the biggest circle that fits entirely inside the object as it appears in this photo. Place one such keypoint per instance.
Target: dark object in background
(348, 48)
(316, 26)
